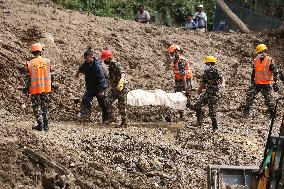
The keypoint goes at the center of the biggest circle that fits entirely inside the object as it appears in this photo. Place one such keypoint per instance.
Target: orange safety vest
(187, 68)
(263, 75)
(40, 75)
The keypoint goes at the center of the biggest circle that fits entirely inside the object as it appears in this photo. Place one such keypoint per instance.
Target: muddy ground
(146, 154)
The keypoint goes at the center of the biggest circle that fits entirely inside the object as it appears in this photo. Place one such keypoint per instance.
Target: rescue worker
(96, 86)
(264, 78)
(118, 86)
(38, 80)
(211, 81)
(182, 72)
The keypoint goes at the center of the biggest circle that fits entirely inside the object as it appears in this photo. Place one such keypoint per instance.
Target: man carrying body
(118, 86)
(211, 81)
(96, 85)
(182, 71)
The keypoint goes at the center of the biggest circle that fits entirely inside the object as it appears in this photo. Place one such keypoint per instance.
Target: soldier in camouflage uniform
(264, 78)
(182, 71)
(39, 81)
(118, 86)
(211, 81)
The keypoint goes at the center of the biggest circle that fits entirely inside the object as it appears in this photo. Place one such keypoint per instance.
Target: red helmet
(37, 47)
(106, 54)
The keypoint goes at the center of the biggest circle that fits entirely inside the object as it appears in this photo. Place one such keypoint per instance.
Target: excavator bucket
(269, 175)
(233, 177)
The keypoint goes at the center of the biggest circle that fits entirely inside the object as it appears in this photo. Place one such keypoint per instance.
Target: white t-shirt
(145, 16)
(201, 18)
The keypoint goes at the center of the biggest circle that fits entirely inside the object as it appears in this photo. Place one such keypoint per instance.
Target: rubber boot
(45, 126)
(214, 124)
(246, 112)
(200, 118)
(124, 122)
(181, 115)
(38, 127)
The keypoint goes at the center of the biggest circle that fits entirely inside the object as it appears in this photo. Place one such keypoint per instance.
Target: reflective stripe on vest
(262, 73)
(188, 72)
(40, 75)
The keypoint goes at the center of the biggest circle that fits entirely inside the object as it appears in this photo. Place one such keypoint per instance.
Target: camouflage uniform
(115, 71)
(40, 105)
(212, 79)
(40, 102)
(264, 89)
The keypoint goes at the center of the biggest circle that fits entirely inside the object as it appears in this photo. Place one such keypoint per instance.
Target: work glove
(120, 85)
(187, 93)
(275, 87)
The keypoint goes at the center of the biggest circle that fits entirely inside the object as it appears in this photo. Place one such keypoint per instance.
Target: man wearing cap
(200, 18)
(96, 86)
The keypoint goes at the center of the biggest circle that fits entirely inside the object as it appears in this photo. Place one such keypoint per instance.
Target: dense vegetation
(274, 8)
(166, 12)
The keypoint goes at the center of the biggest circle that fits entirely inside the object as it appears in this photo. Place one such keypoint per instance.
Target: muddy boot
(246, 112)
(214, 124)
(38, 127)
(45, 126)
(200, 118)
(181, 115)
(124, 122)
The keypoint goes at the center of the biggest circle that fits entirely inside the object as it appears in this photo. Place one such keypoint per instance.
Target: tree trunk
(236, 21)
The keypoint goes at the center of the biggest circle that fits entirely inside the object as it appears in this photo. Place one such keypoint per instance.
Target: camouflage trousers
(210, 98)
(179, 88)
(265, 90)
(121, 96)
(40, 105)
(179, 85)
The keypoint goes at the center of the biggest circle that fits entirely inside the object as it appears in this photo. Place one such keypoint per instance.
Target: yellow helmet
(172, 48)
(260, 47)
(209, 59)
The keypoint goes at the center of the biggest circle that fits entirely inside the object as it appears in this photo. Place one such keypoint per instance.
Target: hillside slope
(143, 155)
